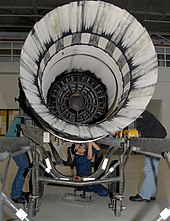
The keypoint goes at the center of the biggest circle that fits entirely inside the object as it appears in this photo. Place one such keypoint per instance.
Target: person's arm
(89, 151)
(95, 145)
(77, 146)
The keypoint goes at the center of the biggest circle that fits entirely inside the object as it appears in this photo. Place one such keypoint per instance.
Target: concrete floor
(54, 208)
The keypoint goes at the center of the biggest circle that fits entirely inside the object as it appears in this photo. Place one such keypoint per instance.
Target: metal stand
(79, 197)
(163, 215)
(4, 199)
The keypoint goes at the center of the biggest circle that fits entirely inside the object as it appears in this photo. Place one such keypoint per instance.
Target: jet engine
(88, 69)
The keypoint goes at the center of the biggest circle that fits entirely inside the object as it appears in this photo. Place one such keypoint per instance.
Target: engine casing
(88, 69)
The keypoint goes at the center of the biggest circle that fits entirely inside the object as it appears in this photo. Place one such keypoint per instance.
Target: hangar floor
(54, 208)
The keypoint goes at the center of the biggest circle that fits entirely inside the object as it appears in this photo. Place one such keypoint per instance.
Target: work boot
(20, 199)
(25, 194)
(138, 198)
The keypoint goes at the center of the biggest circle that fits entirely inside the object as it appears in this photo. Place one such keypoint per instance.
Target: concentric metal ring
(78, 98)
(94, 37)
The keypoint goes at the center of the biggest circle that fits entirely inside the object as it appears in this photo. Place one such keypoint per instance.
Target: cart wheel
(118, 207)
(32, 211)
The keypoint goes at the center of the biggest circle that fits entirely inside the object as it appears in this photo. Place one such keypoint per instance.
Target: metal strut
(4, 199)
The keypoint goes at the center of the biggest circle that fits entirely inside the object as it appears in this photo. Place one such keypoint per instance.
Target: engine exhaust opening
(88, 69)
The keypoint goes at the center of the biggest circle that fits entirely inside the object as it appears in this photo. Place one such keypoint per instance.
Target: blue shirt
(83, 164)
(13, 128)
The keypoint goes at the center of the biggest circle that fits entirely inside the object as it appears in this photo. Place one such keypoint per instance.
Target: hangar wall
(162, 93)
(159, 105)
(9, 73)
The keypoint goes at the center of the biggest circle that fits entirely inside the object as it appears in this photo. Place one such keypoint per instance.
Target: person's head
(78, 148)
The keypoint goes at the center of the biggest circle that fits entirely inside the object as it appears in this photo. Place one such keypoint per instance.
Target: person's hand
(77, 178)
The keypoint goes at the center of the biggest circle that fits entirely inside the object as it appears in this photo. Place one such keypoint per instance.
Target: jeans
(149, 186)
(98, 188)
(22, 162)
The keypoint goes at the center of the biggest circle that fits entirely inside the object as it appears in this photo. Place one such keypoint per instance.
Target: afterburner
(88, 69)
(78, 98)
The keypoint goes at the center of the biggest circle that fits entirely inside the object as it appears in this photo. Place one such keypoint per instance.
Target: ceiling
(18, 17)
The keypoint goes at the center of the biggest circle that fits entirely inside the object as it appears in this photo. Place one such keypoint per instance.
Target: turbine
(88, 69)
